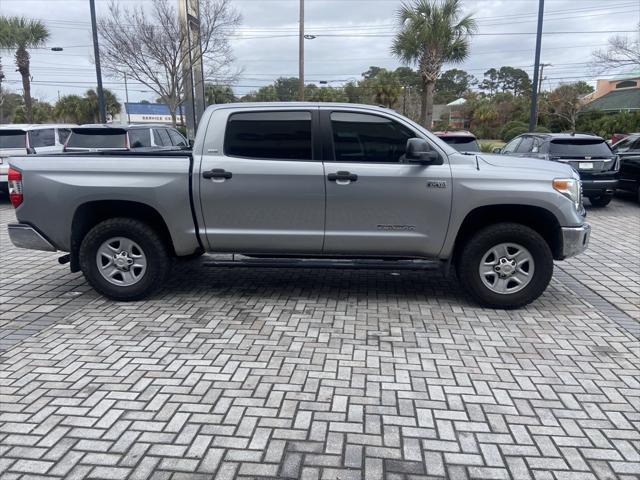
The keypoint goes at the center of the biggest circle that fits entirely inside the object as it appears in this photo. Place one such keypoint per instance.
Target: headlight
(570, 188)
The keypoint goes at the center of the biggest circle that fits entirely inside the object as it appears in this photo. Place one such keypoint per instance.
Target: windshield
(578, 148)
(463, 144)
(12, 139)
(97, 139)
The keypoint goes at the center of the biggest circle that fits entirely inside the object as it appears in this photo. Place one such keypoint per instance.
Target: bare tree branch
(621, 52)
(150, 46)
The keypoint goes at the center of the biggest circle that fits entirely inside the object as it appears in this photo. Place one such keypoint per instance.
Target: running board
(331, 264)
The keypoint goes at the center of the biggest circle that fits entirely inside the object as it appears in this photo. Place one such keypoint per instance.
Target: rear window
(12, 139)
(269, 135)
(45, 137)
(463, 144)
(93, 139)
(578, 148)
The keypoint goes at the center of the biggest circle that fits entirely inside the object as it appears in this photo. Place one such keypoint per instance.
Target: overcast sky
(351, 36)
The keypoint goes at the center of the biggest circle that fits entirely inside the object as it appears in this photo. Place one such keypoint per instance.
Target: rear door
(629, 154)
(262, 183)
(377, 204)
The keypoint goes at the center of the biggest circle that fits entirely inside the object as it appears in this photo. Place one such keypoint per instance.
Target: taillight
(15, 187)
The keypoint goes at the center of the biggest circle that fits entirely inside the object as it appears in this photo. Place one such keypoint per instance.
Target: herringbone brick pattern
(320, 374)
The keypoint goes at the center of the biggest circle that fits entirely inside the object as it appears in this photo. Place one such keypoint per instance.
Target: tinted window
(368, 138)
(277, 135)
(45, 137)
(574, 147)
(629, 143)
(176, 138)
(12, 139)
(463, 144)
(139, 138)
(93, 139)
(512, 145)
(161, 137)
(526, 145)
(63, 134)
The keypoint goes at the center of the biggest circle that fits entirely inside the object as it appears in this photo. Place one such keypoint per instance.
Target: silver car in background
(25, 139)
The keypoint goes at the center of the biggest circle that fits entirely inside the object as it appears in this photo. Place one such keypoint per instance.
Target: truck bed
(67, 183)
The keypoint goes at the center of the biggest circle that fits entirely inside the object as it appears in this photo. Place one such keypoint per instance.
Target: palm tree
(431, 34)
(20, 34)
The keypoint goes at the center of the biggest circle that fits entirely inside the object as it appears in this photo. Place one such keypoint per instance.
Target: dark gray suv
(589, 154)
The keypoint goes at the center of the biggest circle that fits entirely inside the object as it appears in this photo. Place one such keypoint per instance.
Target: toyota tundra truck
(322, 182)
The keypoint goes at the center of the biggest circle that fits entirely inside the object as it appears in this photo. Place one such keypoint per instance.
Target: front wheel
(124, 259)
(505, 265)
(601, 200)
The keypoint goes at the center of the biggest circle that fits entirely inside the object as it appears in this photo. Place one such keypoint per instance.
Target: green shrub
(487, 147)
(541, 129)
(514, 132)
(510, 126)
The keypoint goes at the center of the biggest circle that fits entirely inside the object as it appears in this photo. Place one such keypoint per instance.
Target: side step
(360, 264)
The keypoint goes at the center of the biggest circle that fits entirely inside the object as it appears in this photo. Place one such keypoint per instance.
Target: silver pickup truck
(303, 180)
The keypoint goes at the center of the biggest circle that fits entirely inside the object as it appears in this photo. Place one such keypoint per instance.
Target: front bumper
(25, 236)
(575, 240)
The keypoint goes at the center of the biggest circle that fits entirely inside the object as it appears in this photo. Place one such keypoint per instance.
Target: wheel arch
(537, 218)
(90, 214)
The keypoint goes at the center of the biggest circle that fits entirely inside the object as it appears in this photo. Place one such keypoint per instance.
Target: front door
(260, 187)
(377, 204)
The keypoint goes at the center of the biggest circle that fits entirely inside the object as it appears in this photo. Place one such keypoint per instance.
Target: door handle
(217, 173)
(342, 176)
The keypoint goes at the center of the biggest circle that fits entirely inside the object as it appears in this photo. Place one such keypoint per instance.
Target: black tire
(471, 255)
(601, 200)
(152, 245)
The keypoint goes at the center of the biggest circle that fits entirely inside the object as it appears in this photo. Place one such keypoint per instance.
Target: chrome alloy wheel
(506, 268)
(121, 261)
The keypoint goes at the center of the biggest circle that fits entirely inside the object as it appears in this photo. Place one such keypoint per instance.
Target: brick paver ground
(321, 374)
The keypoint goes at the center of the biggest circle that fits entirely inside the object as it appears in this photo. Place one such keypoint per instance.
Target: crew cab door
(377, 203)
(261, 190)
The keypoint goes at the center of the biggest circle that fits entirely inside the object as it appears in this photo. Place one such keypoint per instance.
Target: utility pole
(533, 115)
(1, 95)
(301, 53)
(542, 65)
(126, 96)
(96, 54)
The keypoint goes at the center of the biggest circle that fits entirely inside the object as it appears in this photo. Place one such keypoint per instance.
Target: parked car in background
(616, 137)
(95, 138)
(461, 140)
(628, 150)
(589, 154)
(24, 139)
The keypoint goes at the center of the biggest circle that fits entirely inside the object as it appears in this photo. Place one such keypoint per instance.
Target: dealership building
(148, 113)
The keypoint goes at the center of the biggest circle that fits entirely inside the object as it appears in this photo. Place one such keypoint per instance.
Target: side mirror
(419, 151)
(191, 142)
(496, 150)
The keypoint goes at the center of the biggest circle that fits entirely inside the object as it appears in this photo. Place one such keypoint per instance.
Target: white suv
(22, 139)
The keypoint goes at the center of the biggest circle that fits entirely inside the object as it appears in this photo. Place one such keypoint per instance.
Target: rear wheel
(124, 259)
(505, 265)
(601, 200)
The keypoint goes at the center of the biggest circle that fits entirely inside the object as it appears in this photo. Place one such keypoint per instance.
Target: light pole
(533, 115)
(301, 54)
(96, 54)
